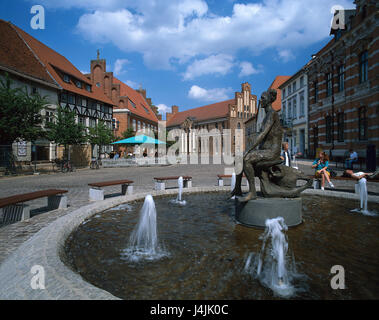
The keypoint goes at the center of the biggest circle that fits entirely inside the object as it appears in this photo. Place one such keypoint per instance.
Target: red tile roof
(277, 104)
(15, 55)
(137, 99)
(211, 111)
(52, 62)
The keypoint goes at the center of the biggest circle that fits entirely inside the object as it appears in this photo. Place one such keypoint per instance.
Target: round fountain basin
(208, 250)
(254, 213)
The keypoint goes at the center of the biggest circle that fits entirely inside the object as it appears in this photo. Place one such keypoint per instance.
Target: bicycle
(64, 165)
(95, 164)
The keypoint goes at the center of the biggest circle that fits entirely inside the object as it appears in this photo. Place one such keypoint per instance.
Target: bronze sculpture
(276, 180)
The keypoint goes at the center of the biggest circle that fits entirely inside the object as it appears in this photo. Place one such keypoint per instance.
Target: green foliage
(128, 133)
(64, 130)
(20, 117)
(100, 135)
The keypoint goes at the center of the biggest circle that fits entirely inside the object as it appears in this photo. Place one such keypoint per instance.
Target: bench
(161, 185)
(220, 180)
(317, 181)
(96, 192)
(338, 159)
(12, 208)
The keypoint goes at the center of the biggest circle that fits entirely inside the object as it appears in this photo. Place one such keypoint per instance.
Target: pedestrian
(286, 154)
(353, 158)
(321, 165)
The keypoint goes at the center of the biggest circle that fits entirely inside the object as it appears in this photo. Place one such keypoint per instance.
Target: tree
(100, 135)
(20, 118)
(128, 133)
(64, 130)
(20, 113)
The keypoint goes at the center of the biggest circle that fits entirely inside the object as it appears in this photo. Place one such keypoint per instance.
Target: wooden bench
(161, 185)
(12, 208)
(97, 193)
(220, 179)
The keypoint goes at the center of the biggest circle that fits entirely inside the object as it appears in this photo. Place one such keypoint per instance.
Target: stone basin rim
(45, 248)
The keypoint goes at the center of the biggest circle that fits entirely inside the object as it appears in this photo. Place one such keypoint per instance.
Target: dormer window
(66, 78)
(132, 103)
(88, 88)
(98, 84)
(78, 84)
(147, 110)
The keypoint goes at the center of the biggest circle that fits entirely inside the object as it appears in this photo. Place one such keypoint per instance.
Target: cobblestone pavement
(13, 235)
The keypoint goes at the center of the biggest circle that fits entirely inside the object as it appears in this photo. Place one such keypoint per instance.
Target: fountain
(179, 199)
(143, 242)
(363, 196)
(273, 267)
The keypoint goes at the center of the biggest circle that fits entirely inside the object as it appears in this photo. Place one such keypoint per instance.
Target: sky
(187, 53)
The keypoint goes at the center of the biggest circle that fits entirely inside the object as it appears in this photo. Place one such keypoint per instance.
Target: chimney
(174, 109)
(159, 117)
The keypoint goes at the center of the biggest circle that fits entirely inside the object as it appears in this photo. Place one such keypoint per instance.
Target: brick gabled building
(228, 114)
(344, 86)
(132, 109)
(31, 63)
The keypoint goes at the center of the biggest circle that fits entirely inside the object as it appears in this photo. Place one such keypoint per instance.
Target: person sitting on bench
(359, 175)
(322, 171)
(353, 158)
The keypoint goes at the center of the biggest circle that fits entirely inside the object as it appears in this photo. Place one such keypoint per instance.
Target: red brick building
(229, 114)
(132, 109)
(343, 86)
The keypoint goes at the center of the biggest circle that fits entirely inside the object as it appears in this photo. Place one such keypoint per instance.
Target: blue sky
(184, 52)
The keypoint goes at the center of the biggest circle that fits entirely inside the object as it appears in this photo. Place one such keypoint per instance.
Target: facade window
(294, 105)
(84, 102)
(301, 81)
(66, 78)
(328, 78)
(362, 113)
(289, 116)
(92, 122)
(49, 116)
(289, 90)
(98, 84)
(284, 92)
(134, 125)
(139, 125)
(82, 120)
(328, 126)
(341, 126)
(363, 66)
(71, 99)
(302, 105)
(316, 91)
(341, 78)
(284, 108)
(294, 86)
(64, 97)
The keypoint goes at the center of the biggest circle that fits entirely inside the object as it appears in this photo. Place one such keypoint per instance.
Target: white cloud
(163, 109)
(186, 29)
(248, 69)
(214, 95)
(214, 64)
(132, 84)
(119, 65)
(285, 55)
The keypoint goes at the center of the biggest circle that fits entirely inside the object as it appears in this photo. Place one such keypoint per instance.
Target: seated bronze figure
(262, 160)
